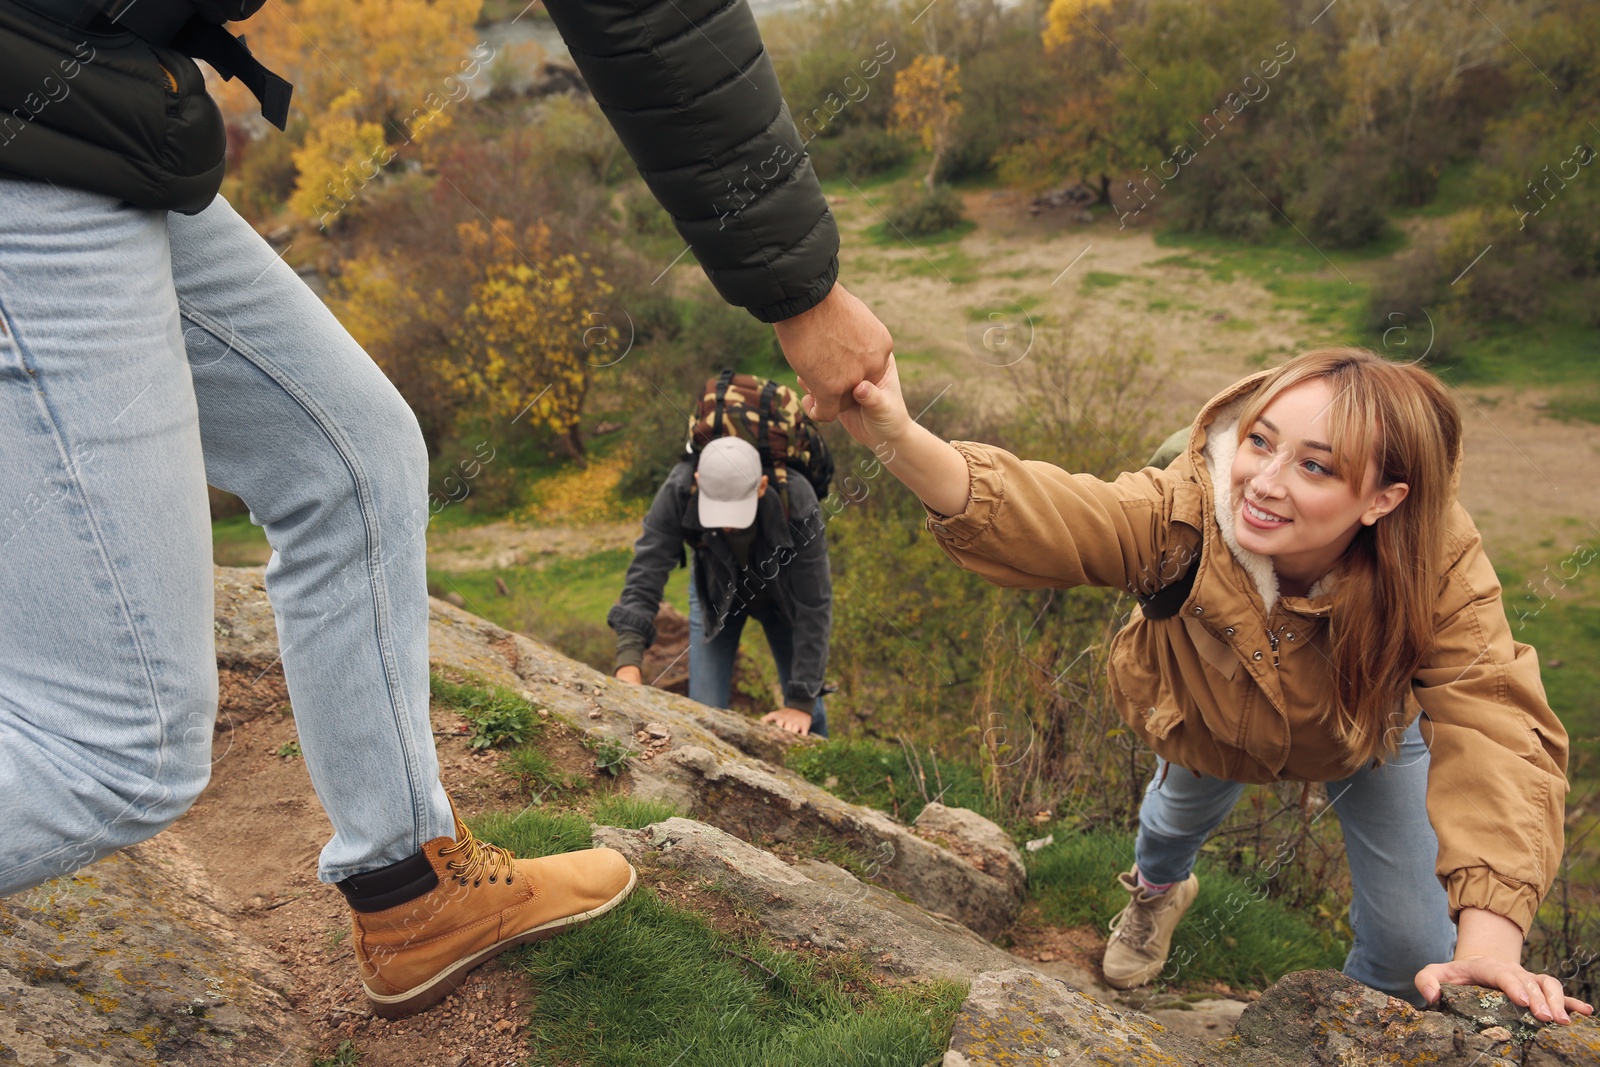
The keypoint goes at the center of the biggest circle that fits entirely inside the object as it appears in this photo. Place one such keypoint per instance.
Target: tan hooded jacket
(1234, 684)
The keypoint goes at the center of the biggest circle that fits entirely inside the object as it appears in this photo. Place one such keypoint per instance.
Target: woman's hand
(929, 467)
(1541, 994)
(1489, 953)
(879, 414)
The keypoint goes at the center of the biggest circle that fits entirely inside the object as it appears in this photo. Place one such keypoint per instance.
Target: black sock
(388, 887)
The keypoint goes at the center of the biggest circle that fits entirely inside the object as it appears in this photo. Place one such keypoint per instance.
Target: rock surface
(814, 902)
(1308, 1019)
(720, 766)
(129, 963)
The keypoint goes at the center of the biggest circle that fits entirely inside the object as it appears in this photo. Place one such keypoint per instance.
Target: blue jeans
(711, 662)
(1399, 912)
(142, 355)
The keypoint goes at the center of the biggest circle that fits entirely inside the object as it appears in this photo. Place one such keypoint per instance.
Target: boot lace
(479, 858)
(1136, 925)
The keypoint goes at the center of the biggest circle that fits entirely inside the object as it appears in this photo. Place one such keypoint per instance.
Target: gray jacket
(789, 561)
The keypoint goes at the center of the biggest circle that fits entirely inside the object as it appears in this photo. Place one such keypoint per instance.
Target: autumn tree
(925, 105)
(370, 77)
(525, 340)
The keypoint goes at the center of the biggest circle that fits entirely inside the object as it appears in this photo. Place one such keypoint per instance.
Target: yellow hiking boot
(484, 901)
(1141, 935)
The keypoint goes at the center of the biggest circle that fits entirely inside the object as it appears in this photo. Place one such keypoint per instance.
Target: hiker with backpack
(744, 502)
(1314, 606)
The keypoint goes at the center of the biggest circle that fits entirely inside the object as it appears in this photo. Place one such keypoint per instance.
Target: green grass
(1330, 292)
(531, 833)
(580, 588)
(1226, 936)
(886, 236)
(237, 542)
(1553, 351)
(650, 984)
(1102, 279)
(498, 716)
(343, 1056)
(881, 776)
(631, 813)
(536, 770)
(1455, 193)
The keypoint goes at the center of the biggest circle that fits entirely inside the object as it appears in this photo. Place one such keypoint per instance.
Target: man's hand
(630, 675)
(791, 719)
(832, 347)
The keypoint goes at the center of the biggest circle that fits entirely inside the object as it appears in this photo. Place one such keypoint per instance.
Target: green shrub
(858, 153)
(923, 214)
(611, 754)
(497, 715)
(1343, 204)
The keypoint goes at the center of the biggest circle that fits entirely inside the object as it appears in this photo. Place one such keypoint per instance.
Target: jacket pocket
(1215, 653)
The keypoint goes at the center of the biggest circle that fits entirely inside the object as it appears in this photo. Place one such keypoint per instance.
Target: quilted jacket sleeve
(690, 90)
(1496, 781)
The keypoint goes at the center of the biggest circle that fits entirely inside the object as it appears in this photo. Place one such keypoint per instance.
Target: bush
(1343, 204)
(858, 153)
(923, 214)
(1411, 313)
(1210, 196)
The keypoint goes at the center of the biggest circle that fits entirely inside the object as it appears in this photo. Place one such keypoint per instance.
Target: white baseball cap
(730, 482)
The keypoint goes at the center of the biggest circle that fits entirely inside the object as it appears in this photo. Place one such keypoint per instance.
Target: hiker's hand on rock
(791, 719)
(1541, 994)
(833, 346)
(630, 674)
(879, 417)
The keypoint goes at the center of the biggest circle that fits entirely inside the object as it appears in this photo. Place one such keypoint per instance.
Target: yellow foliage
(338, 157)
(581, 494)
(925, 99)
(1063, 21)
(365, 73)
(525, 337)
(393, 52)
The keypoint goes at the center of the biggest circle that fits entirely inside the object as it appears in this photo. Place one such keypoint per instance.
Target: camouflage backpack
(769, 416)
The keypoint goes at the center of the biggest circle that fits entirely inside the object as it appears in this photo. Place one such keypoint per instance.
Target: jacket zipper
(1272, 638)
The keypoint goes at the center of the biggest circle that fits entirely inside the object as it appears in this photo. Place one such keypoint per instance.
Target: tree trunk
(573, 441)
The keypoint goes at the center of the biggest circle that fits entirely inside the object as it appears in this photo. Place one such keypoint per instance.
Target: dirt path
(257, 830)
(508, 544)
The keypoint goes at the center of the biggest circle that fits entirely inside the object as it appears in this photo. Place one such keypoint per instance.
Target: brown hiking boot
(415, 954)
(1141, 935)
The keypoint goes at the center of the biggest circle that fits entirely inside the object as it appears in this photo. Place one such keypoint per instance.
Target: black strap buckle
(178, 24)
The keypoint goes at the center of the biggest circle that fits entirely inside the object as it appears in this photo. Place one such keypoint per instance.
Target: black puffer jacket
(690, 90)
(789, 563)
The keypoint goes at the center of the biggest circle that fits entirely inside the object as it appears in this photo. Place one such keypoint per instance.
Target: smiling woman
(1341, 624)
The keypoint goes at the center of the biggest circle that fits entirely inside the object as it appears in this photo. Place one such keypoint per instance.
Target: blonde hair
(1401, 416)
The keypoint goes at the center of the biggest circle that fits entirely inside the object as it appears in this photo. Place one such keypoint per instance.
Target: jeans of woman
(1398, 911)
(143, 355)
(711, 662)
